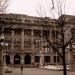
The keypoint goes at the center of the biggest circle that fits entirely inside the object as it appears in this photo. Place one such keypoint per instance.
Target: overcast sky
(30, 7)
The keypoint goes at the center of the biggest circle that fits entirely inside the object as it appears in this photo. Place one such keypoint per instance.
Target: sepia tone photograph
(37, 37)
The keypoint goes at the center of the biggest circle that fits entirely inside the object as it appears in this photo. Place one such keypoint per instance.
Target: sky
(32, 7)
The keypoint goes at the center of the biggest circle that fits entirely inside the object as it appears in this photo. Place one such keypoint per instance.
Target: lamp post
(1, 56)
(3, 44)
(2, 25)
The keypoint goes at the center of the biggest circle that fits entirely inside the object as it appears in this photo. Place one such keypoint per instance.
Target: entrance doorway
(27, 59)
(17, 59)
(7, 59)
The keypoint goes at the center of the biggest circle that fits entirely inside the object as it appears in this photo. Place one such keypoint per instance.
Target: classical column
(12, 41)
(41, 57)
(32, 47)
(32, 59)
(22, 59)
(51, 50)
(42, 50)
(22, 39)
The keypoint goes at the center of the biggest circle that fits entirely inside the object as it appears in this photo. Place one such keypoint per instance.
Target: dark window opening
(7, 59)
(27, 59)
(47, 59)
(56, 59)
(37, 59)
(45, 33)
(16, 59)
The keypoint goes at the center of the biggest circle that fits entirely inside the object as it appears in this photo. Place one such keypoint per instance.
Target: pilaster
(12, 41)
(32, 47)
(32, 41)
(22, 59)
(22, 39)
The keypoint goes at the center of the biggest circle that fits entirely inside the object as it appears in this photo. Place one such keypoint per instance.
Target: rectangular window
(56, 59)
(45, 32)
(37, 59)
(37, 42)
(45, 42)
(73, 34)
(17, 47)
(37, 33)
(37, 49)
(47, 59)
(27, 48)
(17, 41)
(74, 57)
(27, 32)
(17, 32)
(54, 34)
(47, 50)
(7, 31)
(27, 42)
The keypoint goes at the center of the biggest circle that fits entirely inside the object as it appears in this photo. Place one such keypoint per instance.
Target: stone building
(23, 40)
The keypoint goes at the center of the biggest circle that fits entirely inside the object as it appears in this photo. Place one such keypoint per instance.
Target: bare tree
(63, 27)
(64, 34)
(64, 39)
(3, 5)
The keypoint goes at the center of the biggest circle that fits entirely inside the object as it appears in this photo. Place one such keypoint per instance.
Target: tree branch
(54, 48)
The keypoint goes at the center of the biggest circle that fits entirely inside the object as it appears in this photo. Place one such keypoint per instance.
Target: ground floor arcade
(30, 59)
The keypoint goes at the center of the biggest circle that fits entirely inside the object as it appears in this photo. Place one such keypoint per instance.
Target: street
(36, 71)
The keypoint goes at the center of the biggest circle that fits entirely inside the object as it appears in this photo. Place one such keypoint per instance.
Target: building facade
(23, 40)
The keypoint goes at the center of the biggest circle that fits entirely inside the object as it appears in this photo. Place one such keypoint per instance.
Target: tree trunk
(64, 63)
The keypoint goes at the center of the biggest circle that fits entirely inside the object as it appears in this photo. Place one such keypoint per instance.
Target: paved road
(36, 71)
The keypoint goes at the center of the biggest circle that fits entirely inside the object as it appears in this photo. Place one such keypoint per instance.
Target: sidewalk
(54, 67)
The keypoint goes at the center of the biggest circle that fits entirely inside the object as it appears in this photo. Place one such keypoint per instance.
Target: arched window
(27, 59)
(17, 59)
(7, 59)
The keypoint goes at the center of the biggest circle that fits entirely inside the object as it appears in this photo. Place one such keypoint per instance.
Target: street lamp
(1, 51)
(3, 44)
(1, 58)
